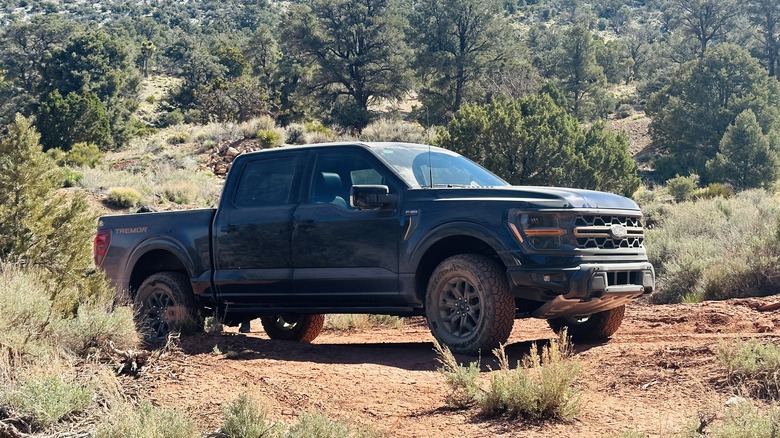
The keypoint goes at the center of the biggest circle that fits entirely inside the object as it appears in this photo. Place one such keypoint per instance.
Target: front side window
(266, 182)
(336, 172)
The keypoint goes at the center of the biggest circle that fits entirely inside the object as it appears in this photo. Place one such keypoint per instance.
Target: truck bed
(186, 234)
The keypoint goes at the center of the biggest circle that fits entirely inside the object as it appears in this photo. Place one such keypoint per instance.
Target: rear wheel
(593, 327)
(163, 304)
(468, 304)
(293, 326)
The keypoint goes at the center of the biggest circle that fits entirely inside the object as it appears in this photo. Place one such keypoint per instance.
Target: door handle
(229, 228)
(305, 224)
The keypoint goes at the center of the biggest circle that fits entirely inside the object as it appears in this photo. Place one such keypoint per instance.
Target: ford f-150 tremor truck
(382, 228)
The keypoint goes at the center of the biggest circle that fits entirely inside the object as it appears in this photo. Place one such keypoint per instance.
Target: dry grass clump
(43, 399)
(541, 387)
(38, 326)
(394, 130)
(127, 197)
(465, 390)
(354, 322)
(245, 418)
(318, 425)
(145, 421)
(752, 364)
(745, 420)
(715, 248)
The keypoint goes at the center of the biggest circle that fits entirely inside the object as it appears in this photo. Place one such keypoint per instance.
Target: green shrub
(178, 138)
(316, 126)
(71, 177)
(464, 389)
(268, 138)
(244, 418)
(173, 118)
(295, 133)
(180, 192)
(37, 323)
(125, 197)
(145, 421)
(94, 326)
(752, 364)
(745, 420)
(624, 110)
(351, 322)
(682, 187)
(46, 399)
(83, 154)
(716, 248)
(541, 387)
(24, 327)
(713, 190)
(317, 425)
(393, 130)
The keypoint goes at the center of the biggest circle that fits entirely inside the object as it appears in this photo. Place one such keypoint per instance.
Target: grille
(609, 232)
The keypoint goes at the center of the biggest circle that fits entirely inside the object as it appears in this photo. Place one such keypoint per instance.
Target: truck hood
(541, 197)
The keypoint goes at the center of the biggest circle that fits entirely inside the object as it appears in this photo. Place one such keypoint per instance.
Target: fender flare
(159, 243)
(458, 228)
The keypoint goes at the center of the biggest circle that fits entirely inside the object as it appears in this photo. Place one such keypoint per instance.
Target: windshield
(423, 166)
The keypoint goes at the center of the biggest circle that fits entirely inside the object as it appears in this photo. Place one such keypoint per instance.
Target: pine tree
(745, 159)
(39, 226)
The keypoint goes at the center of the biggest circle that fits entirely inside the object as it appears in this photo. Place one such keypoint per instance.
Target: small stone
(231, 152)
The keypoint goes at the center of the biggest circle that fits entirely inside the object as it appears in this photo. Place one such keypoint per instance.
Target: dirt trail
(654, 375)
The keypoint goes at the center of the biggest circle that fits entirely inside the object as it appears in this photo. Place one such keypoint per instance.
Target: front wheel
(468, 304)
(293, 327)
(593, 327)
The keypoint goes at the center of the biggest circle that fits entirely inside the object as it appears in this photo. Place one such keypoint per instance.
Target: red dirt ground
(655, 375)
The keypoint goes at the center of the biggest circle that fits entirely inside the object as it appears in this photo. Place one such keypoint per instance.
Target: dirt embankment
(655, 375)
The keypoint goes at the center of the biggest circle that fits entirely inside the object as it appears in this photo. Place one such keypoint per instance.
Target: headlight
(542, 230)
(539, 230)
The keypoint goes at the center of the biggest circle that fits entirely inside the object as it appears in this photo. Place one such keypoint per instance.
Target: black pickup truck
(382, 228)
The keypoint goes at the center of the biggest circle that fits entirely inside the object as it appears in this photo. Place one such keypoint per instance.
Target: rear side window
(266, 182)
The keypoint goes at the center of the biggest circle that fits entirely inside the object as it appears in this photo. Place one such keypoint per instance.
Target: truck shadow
(412, 356)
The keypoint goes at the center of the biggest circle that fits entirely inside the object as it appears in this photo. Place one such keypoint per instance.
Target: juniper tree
(39, 225)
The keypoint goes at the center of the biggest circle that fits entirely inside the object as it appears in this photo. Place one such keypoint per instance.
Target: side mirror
(371, 197)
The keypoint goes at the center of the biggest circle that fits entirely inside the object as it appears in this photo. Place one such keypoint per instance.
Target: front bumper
(582, 290)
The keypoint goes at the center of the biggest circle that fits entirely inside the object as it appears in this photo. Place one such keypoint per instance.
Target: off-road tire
(157, 303)
(468, 304)
(293, 326)
(597, 326)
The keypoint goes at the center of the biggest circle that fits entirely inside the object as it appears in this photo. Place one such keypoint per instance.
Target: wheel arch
(453, 240)
(153, 257)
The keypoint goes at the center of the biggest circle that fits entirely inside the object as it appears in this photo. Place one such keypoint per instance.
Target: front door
(345, 257)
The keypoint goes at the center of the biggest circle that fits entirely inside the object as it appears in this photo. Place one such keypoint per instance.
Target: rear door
(253, 230)
(342, 256)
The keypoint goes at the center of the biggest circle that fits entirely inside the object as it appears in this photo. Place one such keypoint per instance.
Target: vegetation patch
(127, 197)
(45, 399)
(542, 386)
(748, 421)
(714, 248)
(351, 322)
(245, 418)
(145, 421)
(752, 364)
